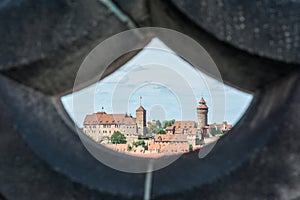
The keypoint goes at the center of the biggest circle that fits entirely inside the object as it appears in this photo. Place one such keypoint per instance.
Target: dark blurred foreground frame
(259, 158)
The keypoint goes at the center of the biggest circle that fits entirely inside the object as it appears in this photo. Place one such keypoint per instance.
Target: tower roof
(140, 108)
(202, 101)
(202, 104)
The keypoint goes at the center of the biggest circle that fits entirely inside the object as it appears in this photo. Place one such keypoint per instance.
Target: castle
(179, 138)
(100, 126)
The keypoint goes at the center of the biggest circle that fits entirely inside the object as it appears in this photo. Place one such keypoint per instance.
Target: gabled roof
(103, 118)
(91, 119)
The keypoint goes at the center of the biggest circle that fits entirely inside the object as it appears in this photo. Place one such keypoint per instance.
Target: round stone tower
(202, 111)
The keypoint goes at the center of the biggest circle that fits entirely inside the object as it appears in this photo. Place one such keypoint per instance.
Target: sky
(169, 87)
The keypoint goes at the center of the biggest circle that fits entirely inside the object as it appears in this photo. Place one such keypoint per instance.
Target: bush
(168, 123)
(161, 131)
(216, 131)
(118, 138)
(139, 143)
(190, 147)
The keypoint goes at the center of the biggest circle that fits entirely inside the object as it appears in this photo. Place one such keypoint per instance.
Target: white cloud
(162, 78)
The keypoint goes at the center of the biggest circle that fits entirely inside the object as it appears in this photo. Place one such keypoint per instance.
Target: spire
(202, 101)
(141, 108)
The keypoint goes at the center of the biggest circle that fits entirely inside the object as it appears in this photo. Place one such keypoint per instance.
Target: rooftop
(104, 118)
(140, 108)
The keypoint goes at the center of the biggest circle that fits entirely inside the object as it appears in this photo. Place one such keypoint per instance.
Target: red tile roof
(183, 127)
(170, 138)
(91, 119)
(184, 124)
(103, 118)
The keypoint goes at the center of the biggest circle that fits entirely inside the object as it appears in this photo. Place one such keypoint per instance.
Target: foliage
(168, 123)
(158, 124)
(161, 131)
(139, 143)
(118, 138)
(145, 137)
(153, 128)
(146, 147)
(216, 131)
(190, 147)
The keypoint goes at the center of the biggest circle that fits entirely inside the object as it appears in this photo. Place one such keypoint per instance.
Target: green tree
(118, 138)
(161, 131)
(153, 128)
(172, 122)
(190, 147)
(158, 124)
(139, 143)
(168, 123)
(216, 131)
(165, 124)
(146, 147)
(130, 148)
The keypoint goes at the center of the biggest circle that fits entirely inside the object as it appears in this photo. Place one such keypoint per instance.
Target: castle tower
(141, 119)
(202, 111)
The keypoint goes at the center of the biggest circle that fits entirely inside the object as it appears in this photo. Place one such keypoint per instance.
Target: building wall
(191, 138)
(202, 118)
(92, 131)
(128, 129)
(141, 121)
